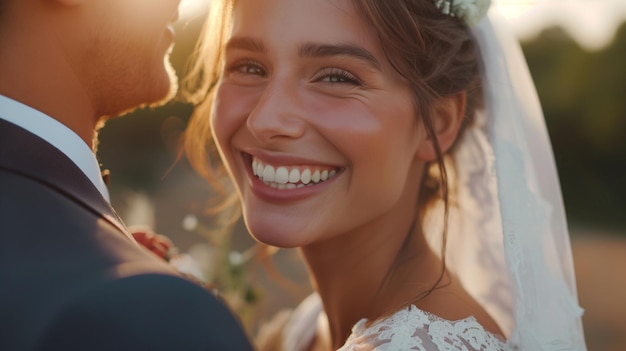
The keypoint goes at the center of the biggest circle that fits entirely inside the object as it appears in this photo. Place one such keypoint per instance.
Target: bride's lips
(287, 178)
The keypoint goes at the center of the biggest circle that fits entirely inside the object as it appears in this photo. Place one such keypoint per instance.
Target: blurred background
(576, 52)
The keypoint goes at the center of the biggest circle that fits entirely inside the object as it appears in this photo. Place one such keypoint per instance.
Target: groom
(71, 277)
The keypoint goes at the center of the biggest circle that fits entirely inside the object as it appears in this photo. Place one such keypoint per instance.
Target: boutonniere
(158, 244)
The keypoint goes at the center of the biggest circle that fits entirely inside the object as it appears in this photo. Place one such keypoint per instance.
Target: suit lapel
(24, 153)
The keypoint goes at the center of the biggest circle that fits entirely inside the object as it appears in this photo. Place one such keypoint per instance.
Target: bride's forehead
(290, 14)
(301, 20)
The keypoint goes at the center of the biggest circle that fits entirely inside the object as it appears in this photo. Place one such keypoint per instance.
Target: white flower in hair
(470, 11)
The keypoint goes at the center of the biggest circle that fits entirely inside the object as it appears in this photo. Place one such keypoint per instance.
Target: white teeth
(294, 176)
(324, 175)
(305, 177)
(316, 176)
(282, 175)
(285, 177)
(268, 174)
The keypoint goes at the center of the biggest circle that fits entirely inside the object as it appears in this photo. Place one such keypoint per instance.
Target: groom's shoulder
(146, 311)
(139, 310)
(77, 283)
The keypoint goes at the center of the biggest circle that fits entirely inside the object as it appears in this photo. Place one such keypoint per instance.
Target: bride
(400, 147)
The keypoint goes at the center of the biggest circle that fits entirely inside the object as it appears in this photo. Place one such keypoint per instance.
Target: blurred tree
(584, 101)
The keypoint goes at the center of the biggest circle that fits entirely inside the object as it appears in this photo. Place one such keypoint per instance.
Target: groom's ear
(446, 116)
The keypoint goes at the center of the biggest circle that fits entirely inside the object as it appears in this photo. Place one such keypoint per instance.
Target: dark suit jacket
(71, 280)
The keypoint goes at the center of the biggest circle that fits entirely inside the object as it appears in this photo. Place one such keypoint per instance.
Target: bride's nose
(278, 115)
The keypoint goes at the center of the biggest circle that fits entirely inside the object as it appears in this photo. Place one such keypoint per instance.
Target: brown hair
(433, 52)
(198, 89)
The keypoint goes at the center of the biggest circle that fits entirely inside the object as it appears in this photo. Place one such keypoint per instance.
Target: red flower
(158, 244)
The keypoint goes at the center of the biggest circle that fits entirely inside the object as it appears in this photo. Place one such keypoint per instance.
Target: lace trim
(414, 329)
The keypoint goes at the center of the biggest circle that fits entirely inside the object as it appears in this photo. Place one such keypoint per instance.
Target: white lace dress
(409, 329)
(414, 329)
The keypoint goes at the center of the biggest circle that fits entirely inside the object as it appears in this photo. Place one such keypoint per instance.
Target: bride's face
(315, 127)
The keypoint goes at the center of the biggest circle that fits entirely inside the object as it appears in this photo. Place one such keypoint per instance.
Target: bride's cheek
(233, 104)
(227, 114)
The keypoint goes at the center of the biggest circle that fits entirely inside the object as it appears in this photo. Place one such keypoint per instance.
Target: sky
(591, 22)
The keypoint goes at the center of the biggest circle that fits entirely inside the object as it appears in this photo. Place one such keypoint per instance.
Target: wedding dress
(508, 240)
(414, 329)
(407, 329)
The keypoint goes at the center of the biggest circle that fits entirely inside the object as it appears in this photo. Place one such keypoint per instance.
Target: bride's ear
(446, 117)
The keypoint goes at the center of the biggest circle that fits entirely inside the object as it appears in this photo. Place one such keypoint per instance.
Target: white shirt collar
(57, 134)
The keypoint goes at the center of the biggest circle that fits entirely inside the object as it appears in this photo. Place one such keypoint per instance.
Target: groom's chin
(152, 97)
(173, 86)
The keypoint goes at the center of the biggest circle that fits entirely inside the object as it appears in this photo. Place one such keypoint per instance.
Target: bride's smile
(291, 177)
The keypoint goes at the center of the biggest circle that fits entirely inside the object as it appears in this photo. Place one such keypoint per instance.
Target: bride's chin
(273, 235)
(272, 239)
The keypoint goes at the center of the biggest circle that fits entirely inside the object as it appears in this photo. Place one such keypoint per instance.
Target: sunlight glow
(591, 22)
(513, 8)
(193, 8)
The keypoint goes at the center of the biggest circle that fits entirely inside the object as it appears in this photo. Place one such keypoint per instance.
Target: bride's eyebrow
(328, 50)
(245, 43)
(309, 49)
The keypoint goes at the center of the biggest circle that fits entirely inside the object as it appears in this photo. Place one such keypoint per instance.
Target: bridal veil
(508, 240)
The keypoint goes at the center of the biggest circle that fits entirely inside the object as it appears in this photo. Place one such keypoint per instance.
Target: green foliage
(584, 100)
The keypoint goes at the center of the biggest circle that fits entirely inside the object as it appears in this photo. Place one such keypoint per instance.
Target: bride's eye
(246, 67)
(333, 75)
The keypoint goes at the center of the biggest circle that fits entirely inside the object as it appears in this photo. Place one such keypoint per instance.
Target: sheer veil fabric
(508, 240)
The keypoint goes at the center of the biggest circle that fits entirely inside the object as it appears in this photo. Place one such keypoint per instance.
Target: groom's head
(124, 55)
(112, 54)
